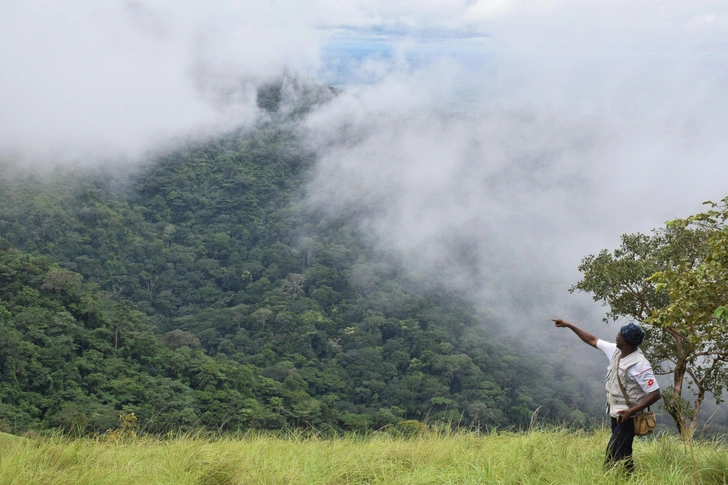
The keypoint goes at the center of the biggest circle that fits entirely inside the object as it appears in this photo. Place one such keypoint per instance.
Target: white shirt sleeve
(643, 375)
(608, 348)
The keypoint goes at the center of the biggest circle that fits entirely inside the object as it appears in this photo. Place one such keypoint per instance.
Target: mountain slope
(222, 302)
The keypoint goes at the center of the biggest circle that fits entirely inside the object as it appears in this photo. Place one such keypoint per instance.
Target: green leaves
(196, 292)
(675, 281)
(721, 312)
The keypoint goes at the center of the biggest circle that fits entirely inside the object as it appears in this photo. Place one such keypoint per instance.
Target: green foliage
(676, 282)
(197, 292)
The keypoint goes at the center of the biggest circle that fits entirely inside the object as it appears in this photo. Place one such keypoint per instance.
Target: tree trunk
(696, 411)
(674, 405)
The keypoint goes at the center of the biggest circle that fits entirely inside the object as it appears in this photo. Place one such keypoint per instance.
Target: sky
(496, 142)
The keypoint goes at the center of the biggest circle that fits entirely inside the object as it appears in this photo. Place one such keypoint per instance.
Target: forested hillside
(199, 292)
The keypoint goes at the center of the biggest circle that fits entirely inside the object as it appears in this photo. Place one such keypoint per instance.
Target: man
(628, 365)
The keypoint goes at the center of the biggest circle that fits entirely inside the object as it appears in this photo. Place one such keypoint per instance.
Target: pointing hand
(559, 322)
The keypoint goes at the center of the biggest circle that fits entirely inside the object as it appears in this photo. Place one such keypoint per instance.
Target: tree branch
(721, 354)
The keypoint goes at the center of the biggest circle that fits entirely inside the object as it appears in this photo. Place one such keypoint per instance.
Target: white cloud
(117, 77)
(114, 78)
(520, 22)
(556, 157)
(584, 119)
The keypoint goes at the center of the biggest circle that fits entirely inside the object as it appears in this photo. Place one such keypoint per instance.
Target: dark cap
(632, 334)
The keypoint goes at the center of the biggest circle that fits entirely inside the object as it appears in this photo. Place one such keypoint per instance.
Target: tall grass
(544, 456)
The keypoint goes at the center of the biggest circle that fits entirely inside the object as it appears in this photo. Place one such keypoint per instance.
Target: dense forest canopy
(198, 292)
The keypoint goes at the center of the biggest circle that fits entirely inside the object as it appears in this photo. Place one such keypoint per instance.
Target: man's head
(632, 334)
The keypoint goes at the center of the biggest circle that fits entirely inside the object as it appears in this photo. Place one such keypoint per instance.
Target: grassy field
(537, 457)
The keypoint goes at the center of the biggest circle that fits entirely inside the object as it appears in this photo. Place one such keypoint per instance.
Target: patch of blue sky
(347, 50)
(357, 49)
(355, 57)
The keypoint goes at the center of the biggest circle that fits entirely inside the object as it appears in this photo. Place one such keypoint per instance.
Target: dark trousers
(619, 449)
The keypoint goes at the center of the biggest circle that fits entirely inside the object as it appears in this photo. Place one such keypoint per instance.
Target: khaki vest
(615, 398)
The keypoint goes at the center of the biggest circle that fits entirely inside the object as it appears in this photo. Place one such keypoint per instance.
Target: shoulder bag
(645, 422)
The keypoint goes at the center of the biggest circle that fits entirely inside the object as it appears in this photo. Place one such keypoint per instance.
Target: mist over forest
(335, 215)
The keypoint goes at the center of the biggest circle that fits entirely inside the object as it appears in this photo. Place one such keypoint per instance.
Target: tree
(674, 282)
(59, 280)
(698, 292)
(210, 253)
(123, 316)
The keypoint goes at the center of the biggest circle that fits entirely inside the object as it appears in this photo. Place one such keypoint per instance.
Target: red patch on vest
(650, 382)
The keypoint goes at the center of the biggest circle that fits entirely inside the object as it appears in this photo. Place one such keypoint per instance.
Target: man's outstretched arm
(585, 336)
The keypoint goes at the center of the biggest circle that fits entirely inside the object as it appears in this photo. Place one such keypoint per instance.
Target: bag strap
(624, 393)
